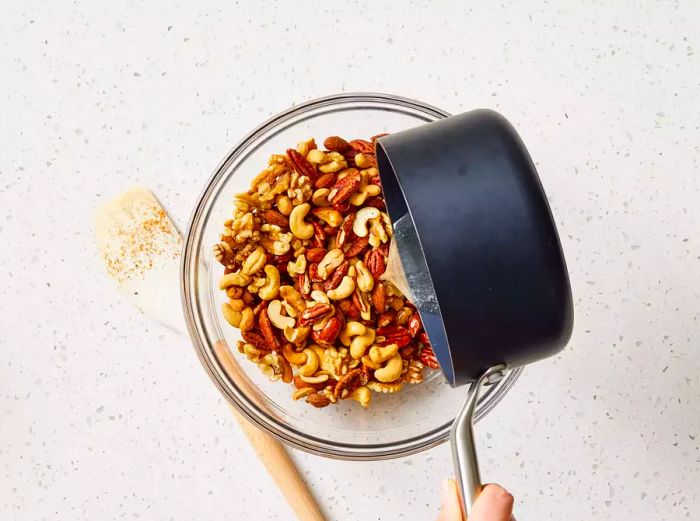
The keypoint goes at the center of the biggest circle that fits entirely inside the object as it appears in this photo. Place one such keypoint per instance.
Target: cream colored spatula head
(141, 249)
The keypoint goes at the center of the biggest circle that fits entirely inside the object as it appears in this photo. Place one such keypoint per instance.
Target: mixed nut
(303, 259)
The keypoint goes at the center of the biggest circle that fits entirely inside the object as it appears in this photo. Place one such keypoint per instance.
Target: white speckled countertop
(105, 415)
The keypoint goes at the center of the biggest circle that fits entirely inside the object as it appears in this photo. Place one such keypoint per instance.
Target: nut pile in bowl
(303, 258)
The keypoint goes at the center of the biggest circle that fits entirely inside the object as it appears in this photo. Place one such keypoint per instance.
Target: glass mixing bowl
(415, 419)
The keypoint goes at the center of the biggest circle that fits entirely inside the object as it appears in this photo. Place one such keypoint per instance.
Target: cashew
(255, 261)
(330, 261)
(318, 350)
(292, 356)
(234, 279)
(243, 319)
(359, 198)
(316, 156)
(365, 280)
(298, 266)
(380, 354)
(251, 352)
(297, 225)
(247, 319)
(320, 197)
(271, 287)
(320, 296)
(296, 335)
(344, 289)
(330, 216)
(362, 395)
(311, 363)
(359, 344)
(302, 393)
(318, 379)
(366, 360)
(391, 371)
(274, 311)
(361, 219)
(351, 329)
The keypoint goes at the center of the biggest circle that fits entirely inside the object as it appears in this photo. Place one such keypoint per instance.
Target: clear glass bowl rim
(204, 349)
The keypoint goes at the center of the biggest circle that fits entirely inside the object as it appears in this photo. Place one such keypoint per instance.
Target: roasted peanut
(317, 157)
(297, 225)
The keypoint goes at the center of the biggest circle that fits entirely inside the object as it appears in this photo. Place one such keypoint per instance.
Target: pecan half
(414, 324)
(313, 272)
(393, 335)
(343, 207)
(379, 298)
(350, 309)
(286, 369)
(386, 318)
(319, 235)
(324, 181)
(344, 188)
(337, 276)
(314, 313)
(304, 284)
(327, 335)
(345, 232)
(357, 247)
(301, 164)
(267, 331)
(255, 339)
(374, 260)
(427, 357)
(315, 254)
(348, 383)
(361, 146)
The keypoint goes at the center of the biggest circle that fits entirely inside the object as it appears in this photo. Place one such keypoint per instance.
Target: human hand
(493, 504)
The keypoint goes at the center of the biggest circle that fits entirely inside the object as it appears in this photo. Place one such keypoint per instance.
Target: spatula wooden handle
(283, 471)
(271, 452)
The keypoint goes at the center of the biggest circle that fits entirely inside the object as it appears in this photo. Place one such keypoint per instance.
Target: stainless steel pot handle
(462, 441)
